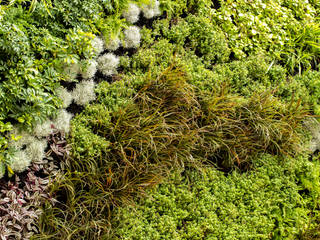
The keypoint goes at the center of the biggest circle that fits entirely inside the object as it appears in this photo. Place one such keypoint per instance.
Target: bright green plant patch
(130, 140)
(39, 40)
(273, 201)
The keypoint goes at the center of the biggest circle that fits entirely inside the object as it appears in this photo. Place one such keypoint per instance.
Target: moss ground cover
(156, 87)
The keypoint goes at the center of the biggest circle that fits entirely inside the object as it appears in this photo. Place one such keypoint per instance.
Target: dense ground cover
(273, 201)
(159, 88)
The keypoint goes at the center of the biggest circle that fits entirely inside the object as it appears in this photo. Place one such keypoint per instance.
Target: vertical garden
(156, 119)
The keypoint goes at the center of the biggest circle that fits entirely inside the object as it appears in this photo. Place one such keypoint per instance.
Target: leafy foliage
(119, 151)
(38, 42)
(265, 203)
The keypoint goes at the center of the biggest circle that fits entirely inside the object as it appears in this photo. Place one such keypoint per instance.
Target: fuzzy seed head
(151, 10)
(43, 129)
(97, 45)
(108, 64)
(62, 122)
(20, 161)
(132, 13)
(132, 37)
(89, 69)
(84, 92)
(36, 150)
(25, 138)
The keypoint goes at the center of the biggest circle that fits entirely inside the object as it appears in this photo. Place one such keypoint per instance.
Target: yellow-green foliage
(120, 145)
(273, 201)
(205, 52)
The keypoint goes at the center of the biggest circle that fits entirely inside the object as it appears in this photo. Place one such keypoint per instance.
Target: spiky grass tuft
(43, 129)
(113, 43)
(71, 71)
(36, 150)
(24, 138)
(97, 45)
(168, 124)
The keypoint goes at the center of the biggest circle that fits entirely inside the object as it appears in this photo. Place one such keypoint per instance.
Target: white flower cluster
(89, 68)
(152, 9)
(43, 129)
(20, 161)
(97, 45)
(62, 122)
(132, 13)
(132, 37)
(28, 148)
(65, 96)
(84, 92)
(108, 64)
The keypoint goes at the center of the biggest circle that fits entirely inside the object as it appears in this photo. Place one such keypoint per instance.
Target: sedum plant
(264, 203)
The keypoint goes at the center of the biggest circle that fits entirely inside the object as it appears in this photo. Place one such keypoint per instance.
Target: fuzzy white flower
(20, 161)
(113, 43)
(132, 13)
(35, 150)
(2, 169)
(108, 64)
(62, 122)
(25, 138)
(152, 9)
(132, 37)
(71, 71)
(84, 92)
(313, 126)
(89, 68)
(97, 45)
(65, 96)
(43, 129)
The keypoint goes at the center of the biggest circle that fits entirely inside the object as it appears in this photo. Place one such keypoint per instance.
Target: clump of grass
(234, 130)
(168, 124)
